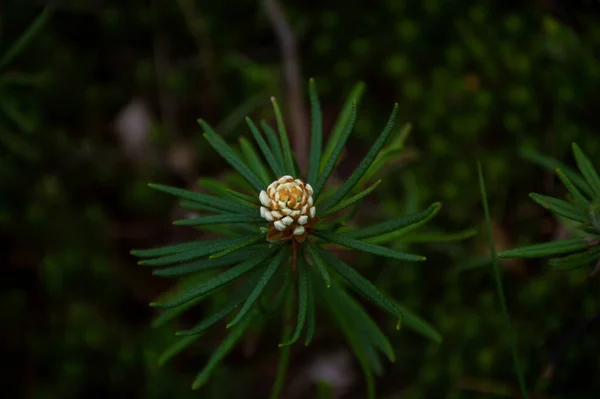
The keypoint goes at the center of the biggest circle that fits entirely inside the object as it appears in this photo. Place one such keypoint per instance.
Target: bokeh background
(105, 98)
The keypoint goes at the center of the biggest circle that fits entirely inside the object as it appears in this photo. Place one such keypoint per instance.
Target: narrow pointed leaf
(358, 344)
(364, 165)
(222, 350)
(316, 135)
(27, 37)
(363, 286)
(274, 144)
(219, 219)
(345, 115)
(210, 285)
(166, 250)
(234, 301)
(587, 169)
(438, 236)
(388, 153)
(499, 286)
(236, 247)
(560, 207)
(202, 248)
(203, 199)
(248, 199)
(273, 304)
(230, 156)
(288, 160)
(310, 313)
(170, 314)
(319, 263)
(352, 200)
(212, 186)
(272, 160)
(577, 195)
(302, 302)
(549, 248)
(364, 323)
(367, 247)
(575, 261)
(419, 325)
(396, 227)
(254, 161)
(337, 150)
(207, 263)
(176, 348)
(552, 164)
(194, 206)
(264, 280)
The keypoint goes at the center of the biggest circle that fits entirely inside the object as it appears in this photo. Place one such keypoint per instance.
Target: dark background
(105, 99)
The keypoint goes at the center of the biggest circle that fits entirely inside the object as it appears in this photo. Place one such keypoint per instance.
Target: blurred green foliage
(480, 80)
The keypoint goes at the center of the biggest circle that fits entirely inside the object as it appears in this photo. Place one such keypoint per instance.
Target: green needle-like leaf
(222, 205)
(254, 161)
(337, 150)
(288, 160)
(579, 198)
(367, 247)
(419, 325)
(345, 115)
(397, 227)
(352, 200)
(202, 248)
(169, 249)
(194, 206)
(310, 312)
(586, 167)
(439, 236)
(389, 153)
(552, 164)
(577, 260)
(264, 280)
(238, 297)
(319, 263)
(248, 199)
(275, 145)
(363, 286)
(364, 165)
(230, 156)
(210, 285)
(169, 314)
(549, 248)
(499, 287)
(238, 246)
(207, 264)
(222, 350)
(27, 37)
(272, 160)
(364, 323)
(302, 301)
(176, 348)
(559, 207)
(316, 136)
(219, 219)
(273, 304)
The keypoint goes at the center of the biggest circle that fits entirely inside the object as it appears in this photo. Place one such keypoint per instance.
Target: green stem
(499, 287)
(284, 358)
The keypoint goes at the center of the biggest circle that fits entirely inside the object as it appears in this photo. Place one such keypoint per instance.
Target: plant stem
(499, 286)
(284, 357)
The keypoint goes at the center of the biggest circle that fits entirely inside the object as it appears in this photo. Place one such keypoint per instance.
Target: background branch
(293, 81)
